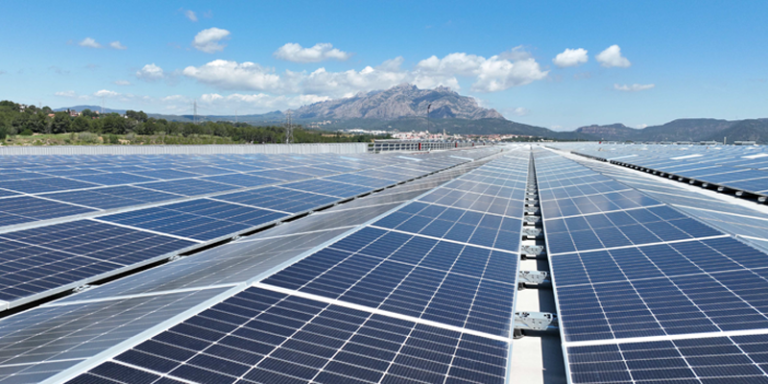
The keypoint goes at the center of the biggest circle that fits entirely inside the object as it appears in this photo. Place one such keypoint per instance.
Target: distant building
(745, 142)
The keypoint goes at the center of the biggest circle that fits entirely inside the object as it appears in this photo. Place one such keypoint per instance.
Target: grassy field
(87, 138)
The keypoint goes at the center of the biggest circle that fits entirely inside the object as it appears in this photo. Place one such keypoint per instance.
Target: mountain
(402, 101)
(685, 130)
(94, 108)
(613, 132)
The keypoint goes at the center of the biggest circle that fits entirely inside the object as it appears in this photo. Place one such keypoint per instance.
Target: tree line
(44, 121)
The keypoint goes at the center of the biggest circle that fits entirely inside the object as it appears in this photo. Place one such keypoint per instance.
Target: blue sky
(635, 62)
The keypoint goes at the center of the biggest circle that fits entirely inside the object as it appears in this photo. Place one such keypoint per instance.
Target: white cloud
(491, 75)
(150, 72)
(256, 103)
(611, 57)
(516, 53)
(633, 87)
(641, 126)
(319, 52)
(105, 93)
(497, 74)
(68, 94)
(233, 75)
(209, 40)
(519, 111)
(117, 45)
(571, 57)
(190, 15)
(89, 43)
(121, 82)
(460, 64)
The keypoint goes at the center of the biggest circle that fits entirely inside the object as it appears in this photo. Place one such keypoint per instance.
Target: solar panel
(280, 199)
(201, 219)
(628, 311)
(112, 197)
(41, 342)
(38, 260)
(23, 209)
(262, 336)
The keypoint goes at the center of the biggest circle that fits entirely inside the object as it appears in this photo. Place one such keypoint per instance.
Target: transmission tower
(194, 113)
(288, 128)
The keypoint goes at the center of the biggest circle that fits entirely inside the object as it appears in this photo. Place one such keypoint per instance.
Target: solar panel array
(741, 168)
(647, 292)
(654, 282)
(190, 201)
(404, 306)
(201, 277)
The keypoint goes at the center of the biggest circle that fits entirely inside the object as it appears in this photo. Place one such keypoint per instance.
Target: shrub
(26, 132)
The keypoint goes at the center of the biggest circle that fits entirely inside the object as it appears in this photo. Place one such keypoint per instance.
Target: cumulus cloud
(497, 74)
(209, 40)
(233, 75)
(319, 52)
(190, 15)
(67, 94)
(612, 57)
(519, 111)
(259, 102)
(121, 82)
(571, 58)
(105, 93)
(633, 87)
(491, 75)
(117, 45)
(453, 64)
(516, 53)
(89, 43)
(150, 72)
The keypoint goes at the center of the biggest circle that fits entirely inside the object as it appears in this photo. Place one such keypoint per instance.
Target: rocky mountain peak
(403, 100)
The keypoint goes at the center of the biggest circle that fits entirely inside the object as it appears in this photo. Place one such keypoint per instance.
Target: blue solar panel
(22, 209)
(281, 175)
(326, 187)
(454, 284)
(263, 337)
(40, 259)
(735, 359)
(50, 184)
(197, 219)
(280, 199)
(242, 180)
(166, 174)
(189, 187)
(114, 179)
(457, 225)
(113, 197)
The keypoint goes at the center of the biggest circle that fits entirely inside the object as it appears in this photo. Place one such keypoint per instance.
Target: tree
(60, 123)
(80, 124)
(114, 124)
(88, 113)
(138, 116)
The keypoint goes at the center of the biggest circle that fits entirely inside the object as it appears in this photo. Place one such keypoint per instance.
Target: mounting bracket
(532, 233)
(535, 321)
(532, 250)
(532, 277)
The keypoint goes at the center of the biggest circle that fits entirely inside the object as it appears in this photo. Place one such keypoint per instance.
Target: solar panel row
(438, 303)
(630, 300)
(743, 168)
(189, 222)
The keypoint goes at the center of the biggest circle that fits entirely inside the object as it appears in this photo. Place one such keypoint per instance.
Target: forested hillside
(17, 123)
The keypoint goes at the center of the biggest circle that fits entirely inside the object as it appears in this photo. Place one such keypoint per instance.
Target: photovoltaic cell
(446, 282)
(280, 199)
(41, 259)
(263, 337)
